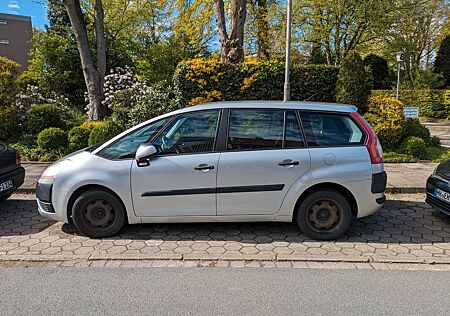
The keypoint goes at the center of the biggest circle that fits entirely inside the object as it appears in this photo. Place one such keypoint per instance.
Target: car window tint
(328, 129)
(127, 146)
(189, 133)
(293, 137)
(255, 129)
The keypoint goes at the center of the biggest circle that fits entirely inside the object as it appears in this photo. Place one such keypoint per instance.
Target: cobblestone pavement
(405, 232)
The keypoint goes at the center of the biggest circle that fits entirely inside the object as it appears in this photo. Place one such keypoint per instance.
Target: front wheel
(98, 214)
(324, 215)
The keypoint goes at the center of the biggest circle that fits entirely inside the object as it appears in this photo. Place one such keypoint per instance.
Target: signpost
(411, 112)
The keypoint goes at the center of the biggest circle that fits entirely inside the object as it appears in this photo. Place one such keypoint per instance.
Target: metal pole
(398, 79)
(287, 88)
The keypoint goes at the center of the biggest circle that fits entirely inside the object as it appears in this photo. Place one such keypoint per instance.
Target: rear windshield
(331, 129)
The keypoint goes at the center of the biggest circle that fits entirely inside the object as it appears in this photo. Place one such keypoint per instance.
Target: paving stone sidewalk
(405, 231)
(402, 177)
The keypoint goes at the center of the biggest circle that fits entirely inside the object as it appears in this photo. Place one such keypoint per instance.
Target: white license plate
(6, 185)
(442, 195)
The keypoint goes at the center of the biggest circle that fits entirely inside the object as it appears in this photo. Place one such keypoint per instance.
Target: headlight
(51, 172)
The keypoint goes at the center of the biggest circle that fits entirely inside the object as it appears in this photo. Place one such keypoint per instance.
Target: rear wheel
(324, 215)
(98, 214)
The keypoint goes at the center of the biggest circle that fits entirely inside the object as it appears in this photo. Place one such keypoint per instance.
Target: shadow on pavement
(397, 222)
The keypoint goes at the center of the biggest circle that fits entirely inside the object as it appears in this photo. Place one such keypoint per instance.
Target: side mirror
(144, 153)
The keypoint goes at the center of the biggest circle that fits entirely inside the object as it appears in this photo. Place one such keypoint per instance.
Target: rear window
(331, 129)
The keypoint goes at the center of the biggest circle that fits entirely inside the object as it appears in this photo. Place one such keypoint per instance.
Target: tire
(98, 214)
(324, 215)
(5, 197)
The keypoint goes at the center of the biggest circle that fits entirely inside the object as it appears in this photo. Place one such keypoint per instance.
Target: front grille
(438, 203)
(46, 207)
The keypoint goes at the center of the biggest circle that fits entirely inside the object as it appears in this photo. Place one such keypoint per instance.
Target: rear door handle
(204, 166)
(288, 162)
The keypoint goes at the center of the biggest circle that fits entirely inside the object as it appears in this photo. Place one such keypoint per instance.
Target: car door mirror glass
(146, 152)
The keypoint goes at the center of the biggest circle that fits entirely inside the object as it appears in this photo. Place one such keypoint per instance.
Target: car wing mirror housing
(145, 153)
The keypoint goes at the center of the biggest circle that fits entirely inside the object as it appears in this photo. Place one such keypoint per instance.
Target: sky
(34, 8)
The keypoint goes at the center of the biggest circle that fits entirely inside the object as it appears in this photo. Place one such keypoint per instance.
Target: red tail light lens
(17, 159)
(372, 143)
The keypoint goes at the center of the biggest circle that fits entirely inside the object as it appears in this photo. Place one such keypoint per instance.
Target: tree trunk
(262, 31)
(92, 76)
(100, 40)
(232, 47)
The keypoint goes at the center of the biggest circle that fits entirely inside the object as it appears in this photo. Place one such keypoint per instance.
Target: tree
(379, 70)
(353, 86)
(442, 61)
(232, 44)
(93, 74)
(9, 71)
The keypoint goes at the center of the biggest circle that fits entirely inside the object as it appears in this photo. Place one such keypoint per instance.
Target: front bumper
(17, 176)
(437, 203)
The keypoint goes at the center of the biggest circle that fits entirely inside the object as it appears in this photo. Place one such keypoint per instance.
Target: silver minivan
(316, 164)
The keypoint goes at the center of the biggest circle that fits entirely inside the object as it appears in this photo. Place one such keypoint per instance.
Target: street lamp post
(399, 60)
(287, 88)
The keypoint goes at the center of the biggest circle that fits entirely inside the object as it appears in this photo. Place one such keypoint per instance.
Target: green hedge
(204, 80)
(432, 103)
(52, 138)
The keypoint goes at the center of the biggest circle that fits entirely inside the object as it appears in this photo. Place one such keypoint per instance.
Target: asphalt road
(222, 291)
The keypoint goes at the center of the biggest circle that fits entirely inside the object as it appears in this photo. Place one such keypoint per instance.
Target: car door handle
(204, 166)
(288, 162)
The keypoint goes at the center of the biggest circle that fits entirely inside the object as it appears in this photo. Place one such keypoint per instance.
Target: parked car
(12, 174)
(316, 164)
(438, 188)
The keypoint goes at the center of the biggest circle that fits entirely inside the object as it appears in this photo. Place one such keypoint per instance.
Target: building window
(3, 22)
(4, 42)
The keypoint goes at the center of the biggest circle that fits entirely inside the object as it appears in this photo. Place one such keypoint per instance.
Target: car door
(181, 180)
(265, 154)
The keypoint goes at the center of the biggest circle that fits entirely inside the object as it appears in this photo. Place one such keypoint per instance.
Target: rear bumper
(437, 203)
(17, 176)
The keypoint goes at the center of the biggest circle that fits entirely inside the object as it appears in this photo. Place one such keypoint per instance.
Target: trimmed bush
(78, 137)
(103, 132)
(9, 123)
(379, 70)
(353, 85)
(414, 128)
(385, 114)
(44, 116)
(205, 80)
(52, 139)
(414, 146)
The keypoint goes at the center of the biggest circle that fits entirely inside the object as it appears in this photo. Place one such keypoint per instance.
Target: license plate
(442, 195)
(6, 185)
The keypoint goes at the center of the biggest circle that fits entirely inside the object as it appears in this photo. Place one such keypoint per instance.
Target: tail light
(17, 159)
(372, 143)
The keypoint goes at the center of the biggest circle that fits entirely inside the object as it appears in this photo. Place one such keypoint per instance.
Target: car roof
(290, 105)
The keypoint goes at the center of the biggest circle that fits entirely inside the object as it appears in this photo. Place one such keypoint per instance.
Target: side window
(127, 146)
(193, 132)
(329, 129)
(255, 129)
(293, 137)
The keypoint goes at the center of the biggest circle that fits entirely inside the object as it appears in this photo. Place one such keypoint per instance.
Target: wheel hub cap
(324, 215)
(99, 213)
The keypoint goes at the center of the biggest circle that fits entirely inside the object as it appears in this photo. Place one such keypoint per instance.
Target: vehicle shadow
(20, 217)
(397, 222)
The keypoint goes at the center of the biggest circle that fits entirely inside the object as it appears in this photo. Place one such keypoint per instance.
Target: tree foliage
(442, 62)
(353, 85)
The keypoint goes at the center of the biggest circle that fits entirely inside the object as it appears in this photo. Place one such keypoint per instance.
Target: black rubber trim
(379, 181)
(236, 189)
(44, 192)
(381, 200)
(221, 135)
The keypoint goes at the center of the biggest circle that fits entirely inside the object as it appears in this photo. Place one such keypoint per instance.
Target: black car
(11, 172)
(438, 188)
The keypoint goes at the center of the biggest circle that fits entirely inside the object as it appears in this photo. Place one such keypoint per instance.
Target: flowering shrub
(32, 97)
(133, 101)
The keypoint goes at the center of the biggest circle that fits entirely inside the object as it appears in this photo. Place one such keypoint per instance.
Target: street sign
(411, 112)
